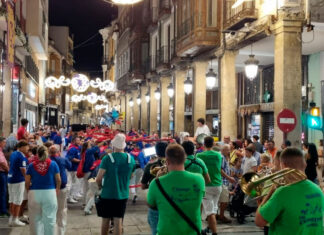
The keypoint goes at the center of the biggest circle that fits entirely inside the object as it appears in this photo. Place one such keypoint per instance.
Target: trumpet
(158, 171)
(257, 186)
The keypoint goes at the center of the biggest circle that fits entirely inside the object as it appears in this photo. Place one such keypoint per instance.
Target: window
(211, 13)
(52, 66)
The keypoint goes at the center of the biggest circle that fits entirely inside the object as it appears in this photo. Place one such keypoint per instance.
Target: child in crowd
(265, 165)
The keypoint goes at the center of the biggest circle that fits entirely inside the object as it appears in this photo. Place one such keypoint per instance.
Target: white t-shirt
(248, 163)
(202, 130)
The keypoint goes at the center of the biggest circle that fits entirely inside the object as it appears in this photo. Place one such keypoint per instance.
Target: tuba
(200, 138)
(257, 186)
(158, 171)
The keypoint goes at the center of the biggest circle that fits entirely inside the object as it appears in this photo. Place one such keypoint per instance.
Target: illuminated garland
(79, 83)
(91, 98)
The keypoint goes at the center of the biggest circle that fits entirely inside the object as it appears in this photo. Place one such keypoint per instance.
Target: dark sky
(85, 18)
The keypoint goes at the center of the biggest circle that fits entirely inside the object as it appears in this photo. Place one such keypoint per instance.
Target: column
(136, 110)
(199, 91)
(179, 100)
(288, 74)
(7, 99)
(229, 95)
(128, 112)
(165, 105)
(153, 108)
(144, 109)
(123, 111)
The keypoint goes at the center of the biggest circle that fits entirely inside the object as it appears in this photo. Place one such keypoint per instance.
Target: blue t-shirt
(73, 153)
(47, 181)
(90, 158)
(57, 140)
(63, 164)
(17, 160)
(44, 139)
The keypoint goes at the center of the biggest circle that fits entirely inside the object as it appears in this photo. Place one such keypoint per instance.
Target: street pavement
(135, 222)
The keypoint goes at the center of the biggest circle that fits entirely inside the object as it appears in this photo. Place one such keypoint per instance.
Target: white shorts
(16, 193)
(224, 197)
(210, 201)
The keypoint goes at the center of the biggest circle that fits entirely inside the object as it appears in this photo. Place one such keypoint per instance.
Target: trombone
(257, 186)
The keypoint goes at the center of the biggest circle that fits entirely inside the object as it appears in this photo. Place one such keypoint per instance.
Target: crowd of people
(187, 181)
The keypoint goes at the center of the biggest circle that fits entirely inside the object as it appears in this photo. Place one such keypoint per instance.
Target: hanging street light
(188, 86)
(170, 90)
(138, 100)
(123, 2)
(211, 79)
(147, 97)
(157, 94)
(251, 67)
(131, 102)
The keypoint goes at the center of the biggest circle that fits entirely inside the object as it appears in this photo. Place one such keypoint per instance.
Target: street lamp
(251, 67)
(170, 90)
(123, 2)
(147, 97)
(2, 86)
(138, 100)
(211, 79)
(188, 86)
(157, 94)
(131, 102)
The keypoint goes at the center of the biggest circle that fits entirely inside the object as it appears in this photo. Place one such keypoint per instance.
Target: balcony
(164, 9)
(32, 69)
(234, 19)
(163, 59)
(195, 37)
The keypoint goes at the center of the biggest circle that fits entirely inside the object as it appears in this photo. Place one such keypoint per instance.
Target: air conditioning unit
(289, 3)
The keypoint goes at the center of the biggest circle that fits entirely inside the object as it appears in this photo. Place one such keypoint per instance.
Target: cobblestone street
(135, 223)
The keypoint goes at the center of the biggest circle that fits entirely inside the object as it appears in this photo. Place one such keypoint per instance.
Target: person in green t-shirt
(113, 177)
(295, 209)
(213, 161)
(193, 164)
(185, 189)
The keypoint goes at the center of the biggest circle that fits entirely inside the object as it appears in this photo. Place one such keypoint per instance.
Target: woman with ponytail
(43, 182)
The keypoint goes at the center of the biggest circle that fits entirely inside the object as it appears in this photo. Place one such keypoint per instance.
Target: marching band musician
(296, 208)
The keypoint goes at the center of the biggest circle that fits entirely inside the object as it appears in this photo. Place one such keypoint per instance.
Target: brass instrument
(158, 171)
(255, 186)
(200, 138)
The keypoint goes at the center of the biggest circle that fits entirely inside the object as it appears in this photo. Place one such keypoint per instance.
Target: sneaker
(78, 195)
(134, 199)
(225, 220)
(87, 213)
(71, 200)
(17, 223)
(24, 219)
(205, 231)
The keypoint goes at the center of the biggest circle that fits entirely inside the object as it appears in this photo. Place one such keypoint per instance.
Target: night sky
(85, 18)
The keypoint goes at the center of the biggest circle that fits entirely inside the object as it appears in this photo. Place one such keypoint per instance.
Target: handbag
(177, 209)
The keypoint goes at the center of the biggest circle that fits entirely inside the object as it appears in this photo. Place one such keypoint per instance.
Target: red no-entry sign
(286, 120)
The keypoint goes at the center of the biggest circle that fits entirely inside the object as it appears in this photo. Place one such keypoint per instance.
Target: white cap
(119, 141)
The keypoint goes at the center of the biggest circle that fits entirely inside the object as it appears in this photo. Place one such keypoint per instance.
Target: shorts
(113, 208)
(16, 193)
(210, 201)
(224, 197)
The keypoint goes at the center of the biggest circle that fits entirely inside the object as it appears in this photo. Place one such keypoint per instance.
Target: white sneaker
(24, 219)
(10, 221)
(17, 223)
(78, 195)
(71, 200)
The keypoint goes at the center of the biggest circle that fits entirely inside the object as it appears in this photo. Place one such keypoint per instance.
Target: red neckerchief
(42, 167)
(73, 146)
(32, 159)
(95, 164)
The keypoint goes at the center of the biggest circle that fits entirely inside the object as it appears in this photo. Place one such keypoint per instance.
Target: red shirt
(21, 133)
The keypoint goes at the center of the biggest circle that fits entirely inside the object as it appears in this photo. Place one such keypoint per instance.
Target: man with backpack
(193, 164)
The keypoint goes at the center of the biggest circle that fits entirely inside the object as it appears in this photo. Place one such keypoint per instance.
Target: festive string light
(80, 82)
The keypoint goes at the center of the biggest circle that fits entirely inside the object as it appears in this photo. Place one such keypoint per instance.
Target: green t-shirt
(195, 165)
(186, 190)
(117, 176)
(213, 161)
(295, 210)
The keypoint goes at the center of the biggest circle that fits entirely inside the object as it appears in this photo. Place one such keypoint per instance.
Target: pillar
(179, 101)
(153, 108)
(136, 110)
(123, 111)
(228, 95)
(199, 91)
(288, 74)
(144, 109)
(165, 105)
(128, 112)
(7, 96)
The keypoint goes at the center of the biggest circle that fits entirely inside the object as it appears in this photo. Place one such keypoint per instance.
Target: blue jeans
(153, 219)
(3, 192)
